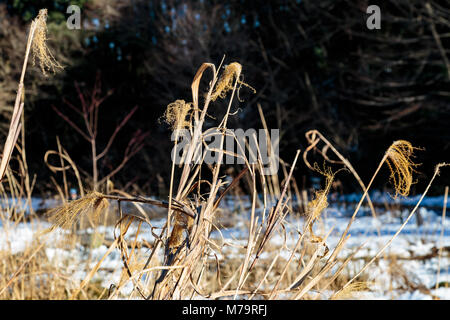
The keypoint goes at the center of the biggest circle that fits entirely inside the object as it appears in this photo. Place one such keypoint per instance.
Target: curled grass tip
(401, 166)
(439, 166)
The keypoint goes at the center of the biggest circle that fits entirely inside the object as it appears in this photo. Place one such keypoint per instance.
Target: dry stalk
(444, 208)
(436, 172)
(36, 42)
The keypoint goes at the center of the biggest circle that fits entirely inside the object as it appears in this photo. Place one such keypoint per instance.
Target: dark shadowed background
(314, 65)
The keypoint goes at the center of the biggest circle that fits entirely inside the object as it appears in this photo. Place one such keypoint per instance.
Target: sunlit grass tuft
(47, 61)
(401, 166)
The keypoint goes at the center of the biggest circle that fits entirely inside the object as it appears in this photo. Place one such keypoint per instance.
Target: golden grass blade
(436, 172)
(36, 41)
(313, 137)
(274, 213)
(13, 133)
(22, 266)
(93, 271)
(196, 82)
(351, 290)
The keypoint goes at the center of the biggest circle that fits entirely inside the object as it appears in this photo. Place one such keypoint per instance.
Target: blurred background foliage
(314, 65)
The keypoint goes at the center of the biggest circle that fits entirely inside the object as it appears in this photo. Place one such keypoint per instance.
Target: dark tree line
(314, 65)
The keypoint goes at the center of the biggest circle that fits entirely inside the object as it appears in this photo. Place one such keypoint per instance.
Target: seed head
(176, 113)
(226, 81)
(47, 61)
(401, 166)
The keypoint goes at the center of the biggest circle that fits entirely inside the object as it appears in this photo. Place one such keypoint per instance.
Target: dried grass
(401, 166)
(176, 114)
(91, 205)
(184, 261)
(351, 291)
(227, 80)
(47, 61)
(315, 207)
(36, 41)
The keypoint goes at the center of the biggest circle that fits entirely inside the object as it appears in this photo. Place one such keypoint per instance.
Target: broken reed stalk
(163, 204)
(123, 247)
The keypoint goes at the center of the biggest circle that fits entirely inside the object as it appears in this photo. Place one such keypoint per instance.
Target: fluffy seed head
(227, 79)
(47, 61)
(91, 205)
(176, 113)
(320, 202)
(401, 166)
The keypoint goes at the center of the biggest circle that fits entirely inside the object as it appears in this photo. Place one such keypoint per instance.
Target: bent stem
(436, 172)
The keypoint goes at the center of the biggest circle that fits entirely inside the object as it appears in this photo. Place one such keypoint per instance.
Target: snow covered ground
(411, 272)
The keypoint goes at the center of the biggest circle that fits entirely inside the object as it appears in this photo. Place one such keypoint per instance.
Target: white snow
(413, 242)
